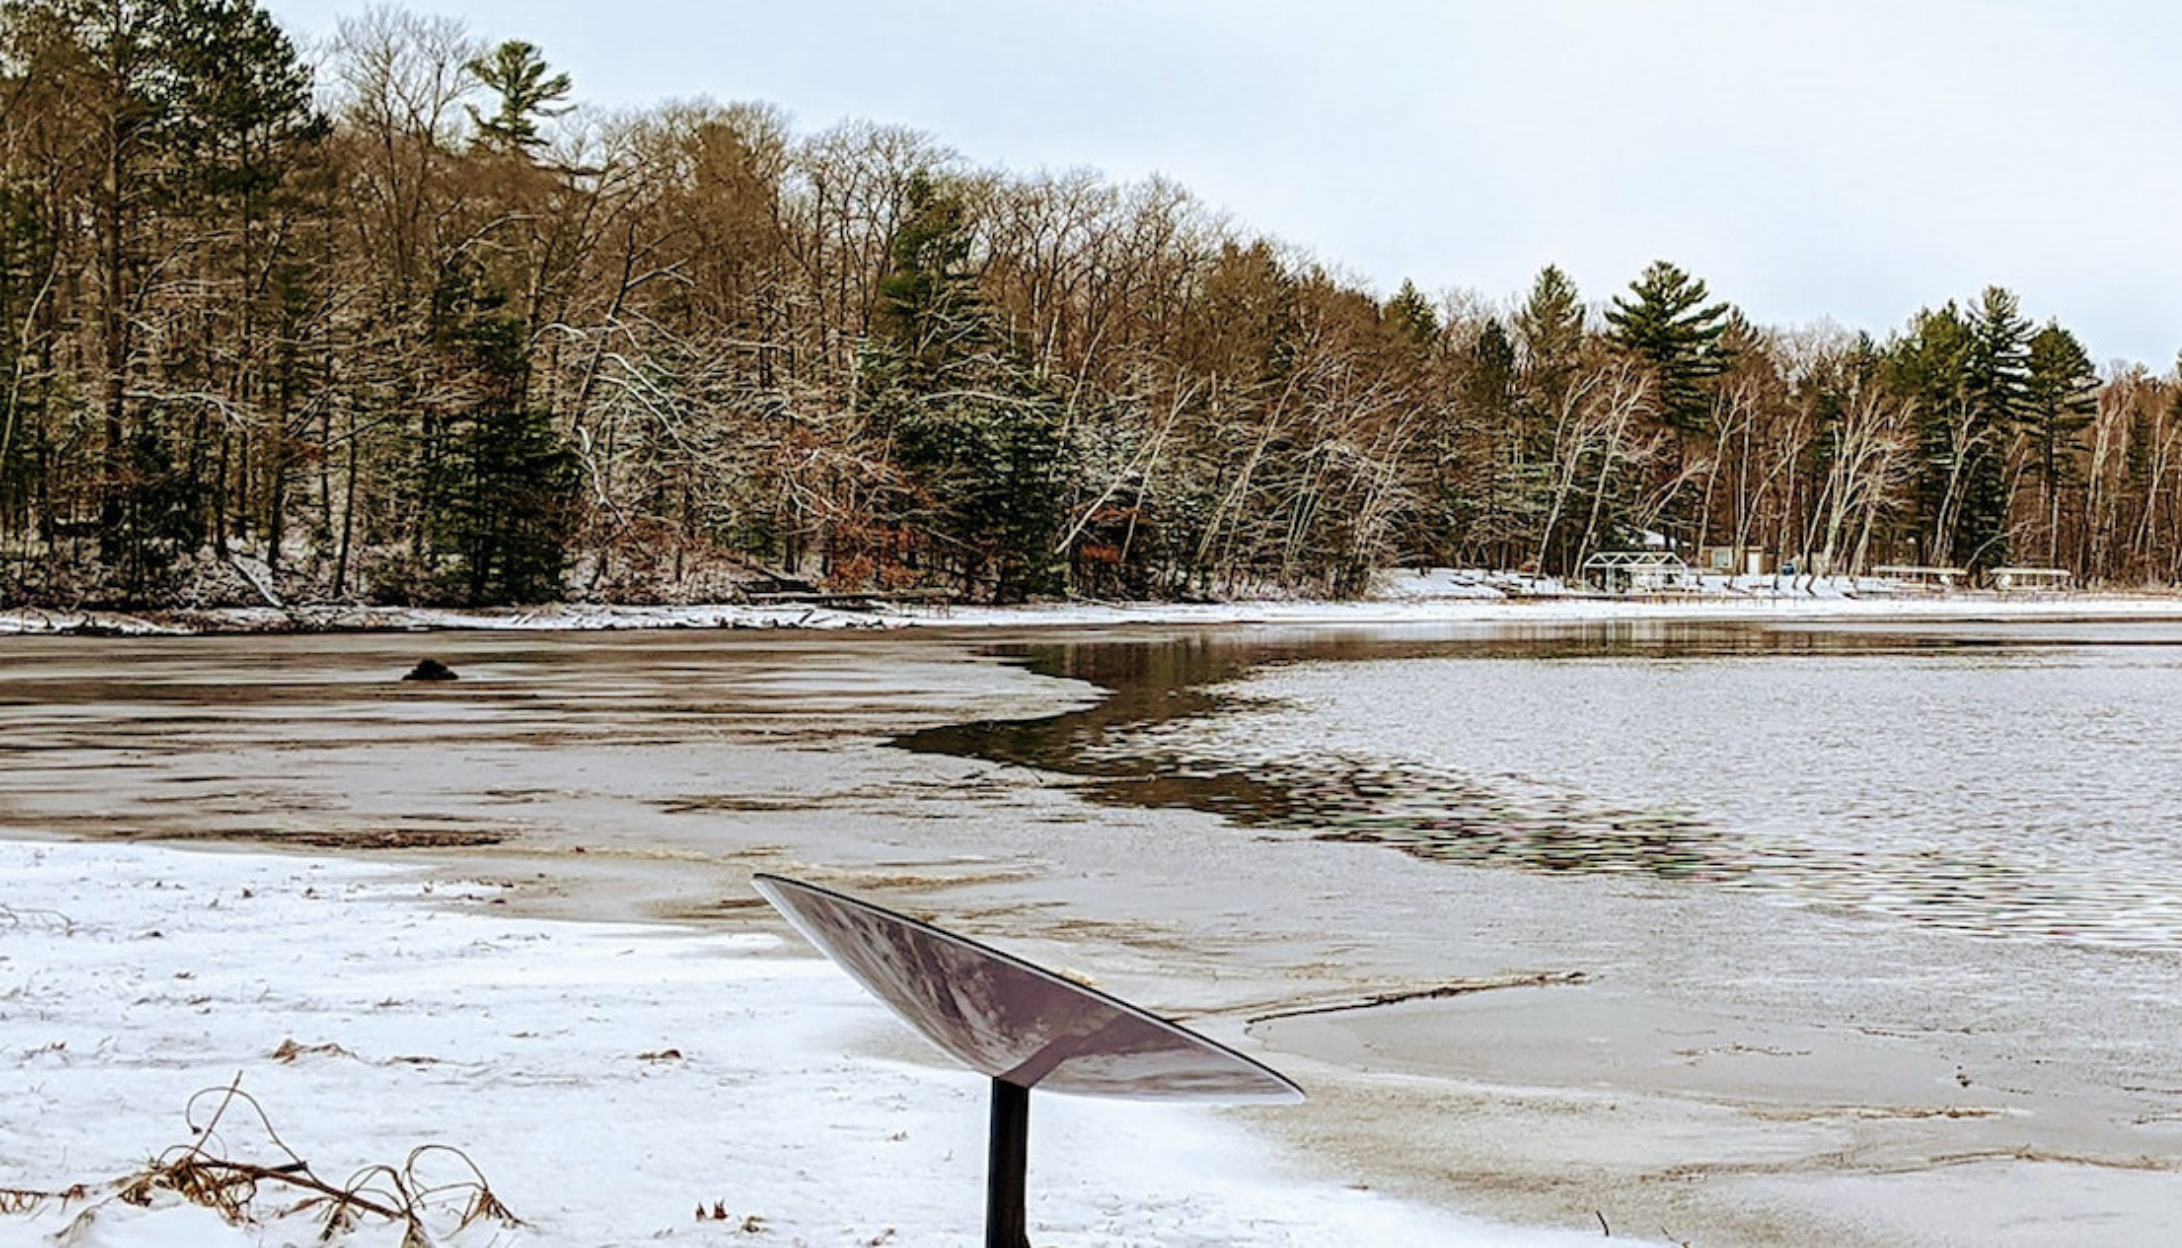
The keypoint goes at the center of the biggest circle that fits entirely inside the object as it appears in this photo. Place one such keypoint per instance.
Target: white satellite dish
(1018, 1024)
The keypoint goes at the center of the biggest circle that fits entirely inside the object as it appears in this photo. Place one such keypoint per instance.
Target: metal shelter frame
(1631, 570)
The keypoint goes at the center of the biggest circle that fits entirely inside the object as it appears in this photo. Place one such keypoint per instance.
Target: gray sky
(1851, 159)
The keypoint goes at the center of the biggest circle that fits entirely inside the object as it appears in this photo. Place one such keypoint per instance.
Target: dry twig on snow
(202, 1173)
(12, 917)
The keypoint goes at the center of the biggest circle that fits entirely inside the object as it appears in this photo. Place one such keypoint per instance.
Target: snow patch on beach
(608, 1081)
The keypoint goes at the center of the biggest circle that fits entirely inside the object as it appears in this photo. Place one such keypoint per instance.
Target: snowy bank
(559, 617)
(1425, 596)
(610, 1082)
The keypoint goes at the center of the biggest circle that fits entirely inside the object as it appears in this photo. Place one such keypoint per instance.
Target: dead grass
(436, 1190)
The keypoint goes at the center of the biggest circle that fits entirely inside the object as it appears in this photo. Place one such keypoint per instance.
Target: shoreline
(1393, 609)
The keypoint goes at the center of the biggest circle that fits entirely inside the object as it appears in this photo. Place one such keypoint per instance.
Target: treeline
(407, 327)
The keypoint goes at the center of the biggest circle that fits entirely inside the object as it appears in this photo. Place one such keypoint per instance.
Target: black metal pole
(1007, 1161)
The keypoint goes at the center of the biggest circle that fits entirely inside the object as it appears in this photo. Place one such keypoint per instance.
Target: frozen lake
(1849, 933)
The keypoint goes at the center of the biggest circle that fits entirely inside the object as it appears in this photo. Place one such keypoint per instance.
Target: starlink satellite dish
(1019, 1025)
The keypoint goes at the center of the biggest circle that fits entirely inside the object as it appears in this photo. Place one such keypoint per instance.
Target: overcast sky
(1843, 159)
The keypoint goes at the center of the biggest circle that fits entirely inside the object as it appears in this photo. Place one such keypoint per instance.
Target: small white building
(1736, 560)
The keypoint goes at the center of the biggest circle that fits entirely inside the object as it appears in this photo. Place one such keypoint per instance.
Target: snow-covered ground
(1398, 596)
(608, 1081)
(559, 617)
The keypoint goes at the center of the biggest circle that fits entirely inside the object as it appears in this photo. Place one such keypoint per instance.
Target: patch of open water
(2012, 781)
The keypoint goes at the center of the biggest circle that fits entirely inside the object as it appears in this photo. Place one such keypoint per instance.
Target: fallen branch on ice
(1459, 988)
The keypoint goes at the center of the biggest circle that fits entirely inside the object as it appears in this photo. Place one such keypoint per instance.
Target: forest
(401, 322)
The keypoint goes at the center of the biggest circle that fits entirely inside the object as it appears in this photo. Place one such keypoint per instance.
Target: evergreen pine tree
(1483, 486)
(239, 105)
(1549, 334)
(2061, 397)
(1671, 327)
(1490, 386)
(1997, 386)
(501, 482)
(1999, 365)
(1409, 314)
(975, 429)
(1549, 327)
(517, 73)
(1929, 367)
(1968, 375)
